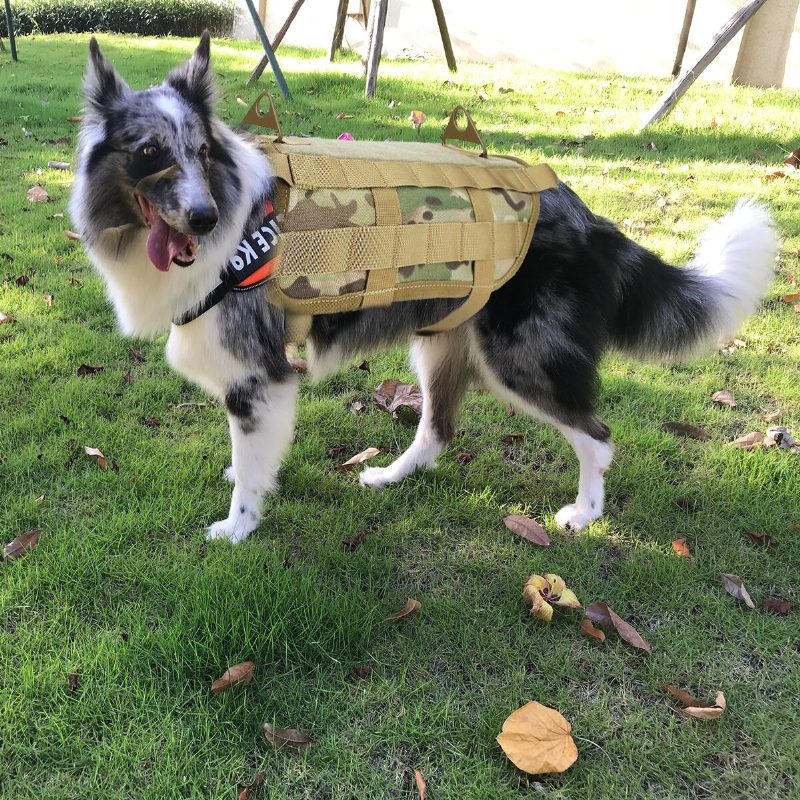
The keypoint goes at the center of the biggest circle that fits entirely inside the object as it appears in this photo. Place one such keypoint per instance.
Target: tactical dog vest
(365, 224)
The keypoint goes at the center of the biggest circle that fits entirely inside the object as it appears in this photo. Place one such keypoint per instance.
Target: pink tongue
(164, 243)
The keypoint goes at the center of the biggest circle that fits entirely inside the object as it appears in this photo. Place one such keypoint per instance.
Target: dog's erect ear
(195, 80)
(101, 86)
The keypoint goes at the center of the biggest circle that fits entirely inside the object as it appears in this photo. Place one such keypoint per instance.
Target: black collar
(252, 264)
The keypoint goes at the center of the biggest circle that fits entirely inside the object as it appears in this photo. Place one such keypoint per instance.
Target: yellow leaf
(556, 582)
(568, 599)
(537, 740)
(542, 610)
(233, 676)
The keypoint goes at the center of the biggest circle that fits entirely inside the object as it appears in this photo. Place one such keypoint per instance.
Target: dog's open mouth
(165, 245)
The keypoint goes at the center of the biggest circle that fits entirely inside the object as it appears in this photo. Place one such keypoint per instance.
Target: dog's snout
(203, 219)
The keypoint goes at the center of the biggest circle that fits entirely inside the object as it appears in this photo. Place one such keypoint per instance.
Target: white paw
(235, 530)
(229, 474)
(377, 477)
(574, 518)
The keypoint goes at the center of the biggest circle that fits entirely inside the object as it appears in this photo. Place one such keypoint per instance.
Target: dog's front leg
(261, 420)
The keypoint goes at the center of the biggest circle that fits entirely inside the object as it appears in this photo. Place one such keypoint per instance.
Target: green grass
(123, 591)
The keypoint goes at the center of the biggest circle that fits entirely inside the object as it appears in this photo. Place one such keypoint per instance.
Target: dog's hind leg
(444, 370)
(553, 384)
(261, 420)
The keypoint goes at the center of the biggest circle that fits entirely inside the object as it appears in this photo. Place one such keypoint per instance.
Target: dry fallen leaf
(527, 528)
(58, 164)
(289, 737)
(695, 708)
(681, 548)
(761, 539)
(137, 355)
(362, 671)
(604, 616)
(21, 544)
(713, 124)
(392, 396)
(76, 237)
(351, 545)
(773, 176)
(410, 606)
(256, 783)
(234, 676)
(724, 399)
(682, 429)
(93, 452)
(417, 118)
(421, 785)
(37, 195)
(358, 458)
(88, 369)
(464, 457)
(772, 416)
(705, 712)
(299, 365)
(791, 298)
(72, 683)
(512, 438)
(537, 740)
(793, 159)
(748, 441)
(6, 319)
(342, 115)
(781, 607)
(48, 300)
(587, 629)
(734, 587)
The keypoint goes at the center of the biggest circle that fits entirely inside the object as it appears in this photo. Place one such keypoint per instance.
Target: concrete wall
(634, 37)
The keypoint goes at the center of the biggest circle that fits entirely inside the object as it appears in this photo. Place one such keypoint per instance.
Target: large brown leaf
(680, 548)
(392, 396)
(734, 587)
(537, 740)
(22, 544)
(724, 398)
(782, 607)
(37, 195)
(286, 737)
(234, 676)
(600, 614)
(761, 539)
(527, 528)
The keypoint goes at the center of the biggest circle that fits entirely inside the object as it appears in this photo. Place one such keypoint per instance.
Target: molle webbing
(365, 224)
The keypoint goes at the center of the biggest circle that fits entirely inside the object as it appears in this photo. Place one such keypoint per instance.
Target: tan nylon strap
(393, 246)
(296, 327)
(381, 283)
(482, 274)
(310, 171)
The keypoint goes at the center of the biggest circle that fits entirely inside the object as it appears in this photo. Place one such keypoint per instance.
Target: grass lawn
(123, 592)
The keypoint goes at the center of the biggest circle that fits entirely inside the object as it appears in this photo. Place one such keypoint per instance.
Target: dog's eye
(203, 150)
(150, 151)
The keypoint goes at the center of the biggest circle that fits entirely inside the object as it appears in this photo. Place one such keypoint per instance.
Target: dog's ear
(195, 80)
(102, 86)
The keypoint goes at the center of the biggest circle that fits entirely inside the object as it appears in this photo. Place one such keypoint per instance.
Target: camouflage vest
(366, 224)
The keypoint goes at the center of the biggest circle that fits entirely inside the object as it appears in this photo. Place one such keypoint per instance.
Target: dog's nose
(203, 220)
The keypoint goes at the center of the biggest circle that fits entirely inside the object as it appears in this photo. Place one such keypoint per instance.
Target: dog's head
(148, 157)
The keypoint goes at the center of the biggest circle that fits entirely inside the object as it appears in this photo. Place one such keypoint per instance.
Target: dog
(164, 192)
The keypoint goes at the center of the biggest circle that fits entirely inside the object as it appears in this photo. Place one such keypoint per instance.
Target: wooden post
(684, 37)
(256, 73)
(338, 30)
(448, 47)
(670, 98)
(377, 22)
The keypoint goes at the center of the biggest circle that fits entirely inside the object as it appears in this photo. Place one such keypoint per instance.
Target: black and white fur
(583, 288)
